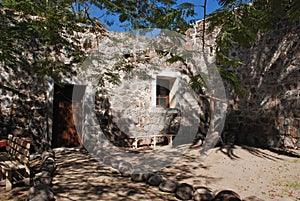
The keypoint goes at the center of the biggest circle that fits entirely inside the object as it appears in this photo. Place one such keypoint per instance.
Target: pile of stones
(42, 181)
(42, 191)
(181, 191)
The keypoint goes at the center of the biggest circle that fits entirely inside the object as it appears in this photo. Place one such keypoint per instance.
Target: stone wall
(269, 114)
(126, 110)
(24, 105)
(26, 98)
(133, 117)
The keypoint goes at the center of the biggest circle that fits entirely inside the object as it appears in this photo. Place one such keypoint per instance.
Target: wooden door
(67, 116)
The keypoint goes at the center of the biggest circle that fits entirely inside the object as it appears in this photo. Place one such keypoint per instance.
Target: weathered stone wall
(26, 99)
(130, 115)
(126, 110)
(24, 104)
(269, 114)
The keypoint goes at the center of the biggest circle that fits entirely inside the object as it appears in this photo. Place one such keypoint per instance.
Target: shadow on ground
(228, 150)
(18, 193)
(79, 176)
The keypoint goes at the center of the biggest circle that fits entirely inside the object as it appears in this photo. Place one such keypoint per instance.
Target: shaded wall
(24, 105)
(269, 115)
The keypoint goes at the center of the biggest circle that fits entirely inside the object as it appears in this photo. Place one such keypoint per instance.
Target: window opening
(163, 87)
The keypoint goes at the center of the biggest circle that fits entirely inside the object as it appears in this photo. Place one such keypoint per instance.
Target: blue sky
(212, 5)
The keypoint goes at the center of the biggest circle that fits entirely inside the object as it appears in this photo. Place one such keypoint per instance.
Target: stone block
(227, 195)
(289, 142)
(184, 191)
(203, 194)
(43, 177)
(168, 186)
(155, 180)
(40, 192)
(138, 176)
(125, 168)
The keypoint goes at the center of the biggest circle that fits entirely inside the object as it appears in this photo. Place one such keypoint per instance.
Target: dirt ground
(270, 175)
(16, 194)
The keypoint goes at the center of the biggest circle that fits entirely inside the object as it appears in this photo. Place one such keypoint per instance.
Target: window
(164, 85)
(162, 96)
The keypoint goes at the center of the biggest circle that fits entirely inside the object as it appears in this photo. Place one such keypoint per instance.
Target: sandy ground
(249, 171)
(269, 175)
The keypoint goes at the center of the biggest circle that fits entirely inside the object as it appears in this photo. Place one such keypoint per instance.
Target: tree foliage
(240, 22)
(135, 14)
(34, 34)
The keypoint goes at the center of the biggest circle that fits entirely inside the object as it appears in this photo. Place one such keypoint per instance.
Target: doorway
(67, 115)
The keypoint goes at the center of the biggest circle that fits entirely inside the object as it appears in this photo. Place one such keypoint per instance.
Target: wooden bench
(153, 139)
(15, 163)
